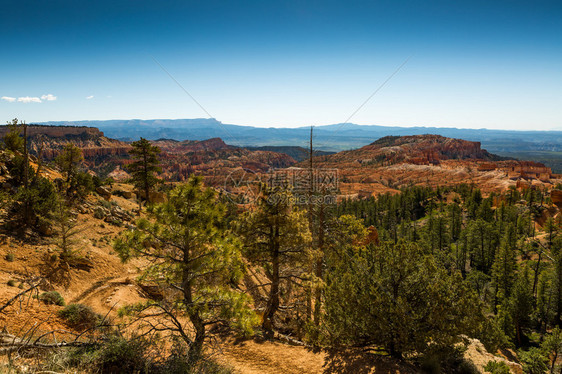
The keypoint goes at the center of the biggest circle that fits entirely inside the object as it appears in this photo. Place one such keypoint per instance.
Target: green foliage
(188, 253)
(52, 298)
(12, 140)
(98, 213)
(497, 367)
(276, 239)
(84, 183)
(80, 316)
(397, 297)
(521, 304)
(69, 162)
(552, 346)
(448, 360)
(66, 230)
(145, 166)
(30, 206)
(533, 361)
(119, 355)
(34, 204)
(137, 354)
(387, 211)
(505, 266)
(493, 335)
(9, 257)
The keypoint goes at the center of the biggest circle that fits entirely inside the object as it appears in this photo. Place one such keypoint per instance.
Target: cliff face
(99, 151)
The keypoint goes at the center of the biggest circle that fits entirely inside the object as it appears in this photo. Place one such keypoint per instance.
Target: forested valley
(412, 277)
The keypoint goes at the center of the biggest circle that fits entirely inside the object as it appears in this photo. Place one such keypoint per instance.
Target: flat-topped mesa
(428, 149)
(58, 131)
(52, 139)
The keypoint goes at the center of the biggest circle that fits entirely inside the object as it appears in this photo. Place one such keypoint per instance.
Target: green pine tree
(196, 262)
(145, 166)
(276, 239)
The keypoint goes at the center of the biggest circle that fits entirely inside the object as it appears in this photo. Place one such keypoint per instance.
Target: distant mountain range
(543, 146)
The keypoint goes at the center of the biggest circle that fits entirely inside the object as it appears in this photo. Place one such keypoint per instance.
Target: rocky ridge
(395, 161)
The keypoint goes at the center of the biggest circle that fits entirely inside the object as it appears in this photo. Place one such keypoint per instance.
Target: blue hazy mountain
(334, 137)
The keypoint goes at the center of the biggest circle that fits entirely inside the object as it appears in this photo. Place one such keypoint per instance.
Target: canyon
(385, 165)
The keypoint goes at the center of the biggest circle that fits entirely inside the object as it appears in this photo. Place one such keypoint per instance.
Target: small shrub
(52, 298)
(9, 257)
(178, 363)
(119, 355)
(136, 355)
(497, 367)
(99, 214)
(533, 361)
(80, 316)
(467, 367)
(115, 355)
(105, 204)
(12, 283)
(447, 360)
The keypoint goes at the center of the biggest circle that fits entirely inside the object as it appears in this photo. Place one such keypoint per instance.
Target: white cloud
(49, 97)
(27, 99)
(89, 97)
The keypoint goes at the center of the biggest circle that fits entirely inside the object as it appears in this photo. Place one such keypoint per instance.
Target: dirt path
(253, 357)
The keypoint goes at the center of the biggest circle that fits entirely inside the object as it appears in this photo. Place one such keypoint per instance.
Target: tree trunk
(200, 332)
(195, 347)
(319, 267)
(27, 213)
(536, 279)
(146, 184)
(273, 302)
(518, 333)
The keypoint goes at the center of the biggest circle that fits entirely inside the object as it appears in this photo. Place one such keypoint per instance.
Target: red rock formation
(214, 159)
(429, 160)
(556, 197)
(97, 149)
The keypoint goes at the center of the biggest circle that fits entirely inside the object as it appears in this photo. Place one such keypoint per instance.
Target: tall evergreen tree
(12, 140)
(276, 238)
(504, 268)
(196, 263)
(521, 304)
(145, 166)
(69, 161)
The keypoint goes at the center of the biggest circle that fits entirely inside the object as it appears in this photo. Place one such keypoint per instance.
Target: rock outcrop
(213, 159)
(430, 160)
(97, 149)
(556, 197)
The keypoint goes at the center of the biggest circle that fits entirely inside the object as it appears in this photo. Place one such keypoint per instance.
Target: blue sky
(474, 64)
